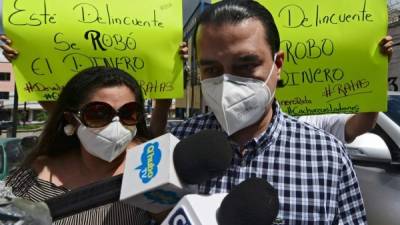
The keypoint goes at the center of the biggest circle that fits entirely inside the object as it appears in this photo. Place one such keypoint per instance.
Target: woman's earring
(69, 129)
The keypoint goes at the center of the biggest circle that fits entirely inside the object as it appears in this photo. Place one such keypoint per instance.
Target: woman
(99, 114)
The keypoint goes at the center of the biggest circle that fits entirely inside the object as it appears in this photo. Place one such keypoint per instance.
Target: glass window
(4, 95)
(4, 76)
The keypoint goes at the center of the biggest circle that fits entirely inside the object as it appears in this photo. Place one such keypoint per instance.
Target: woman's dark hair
(77, 92)
(234, 12)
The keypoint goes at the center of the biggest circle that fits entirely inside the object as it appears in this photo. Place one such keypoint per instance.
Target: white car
(376, 159)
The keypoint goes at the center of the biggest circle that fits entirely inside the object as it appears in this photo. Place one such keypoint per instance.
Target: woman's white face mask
(237, 102)
(108, 142)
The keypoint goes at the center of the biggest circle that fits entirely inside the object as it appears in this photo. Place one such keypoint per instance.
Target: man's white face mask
(237, 102)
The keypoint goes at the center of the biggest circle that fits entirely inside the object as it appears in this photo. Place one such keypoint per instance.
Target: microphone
(156, 172)
(87, 197)
(23, 212)
(254, 201)
(99, 193)
(210, 154)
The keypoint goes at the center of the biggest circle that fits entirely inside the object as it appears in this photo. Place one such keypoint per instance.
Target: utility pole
(15, 114)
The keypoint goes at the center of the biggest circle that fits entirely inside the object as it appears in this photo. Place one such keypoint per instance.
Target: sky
(394, 3)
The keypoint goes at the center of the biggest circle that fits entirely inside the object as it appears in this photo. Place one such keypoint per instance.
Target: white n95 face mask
(237, 102)
(106, 143)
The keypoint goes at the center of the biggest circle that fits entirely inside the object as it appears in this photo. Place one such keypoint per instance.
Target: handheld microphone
(156, 171)
(87, 197)
(75, 201)
(254, 201)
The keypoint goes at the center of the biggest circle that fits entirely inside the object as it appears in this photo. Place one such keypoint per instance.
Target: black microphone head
(254, 201)
(202, 156)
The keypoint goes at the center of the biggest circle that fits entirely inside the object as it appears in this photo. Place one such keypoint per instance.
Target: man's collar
(271, 133)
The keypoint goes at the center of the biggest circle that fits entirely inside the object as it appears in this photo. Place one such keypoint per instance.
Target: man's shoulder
(309, 133)
(195, 124)
(331, 123)
(300, 140)
(199, 120)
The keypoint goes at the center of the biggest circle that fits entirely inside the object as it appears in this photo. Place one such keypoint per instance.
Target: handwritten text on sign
(56, 40)
(332, 58)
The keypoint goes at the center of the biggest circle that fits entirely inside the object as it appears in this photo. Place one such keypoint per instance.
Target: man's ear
(280, 57)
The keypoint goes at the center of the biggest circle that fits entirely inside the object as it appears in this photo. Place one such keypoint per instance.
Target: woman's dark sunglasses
(99, 114)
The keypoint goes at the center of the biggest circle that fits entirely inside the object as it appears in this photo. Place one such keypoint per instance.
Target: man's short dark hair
(234, 12)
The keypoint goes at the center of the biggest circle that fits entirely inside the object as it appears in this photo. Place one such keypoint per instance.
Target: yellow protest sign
(56, 39)
(332, 58)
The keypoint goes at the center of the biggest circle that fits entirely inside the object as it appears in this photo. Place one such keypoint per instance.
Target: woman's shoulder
(21, 179)
(26, 183)
(20, 175)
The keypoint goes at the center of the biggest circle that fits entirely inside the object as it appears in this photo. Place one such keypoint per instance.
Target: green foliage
(29, 126)
(41, 116)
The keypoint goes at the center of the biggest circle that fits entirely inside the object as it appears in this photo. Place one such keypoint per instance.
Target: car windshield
(394, 108)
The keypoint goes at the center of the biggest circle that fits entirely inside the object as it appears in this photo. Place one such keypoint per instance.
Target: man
(239, 60)
(345, 127)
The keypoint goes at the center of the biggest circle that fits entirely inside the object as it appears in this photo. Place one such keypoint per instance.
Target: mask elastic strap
(270, 72)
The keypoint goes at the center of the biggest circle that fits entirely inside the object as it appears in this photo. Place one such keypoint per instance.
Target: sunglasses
(99, 114)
